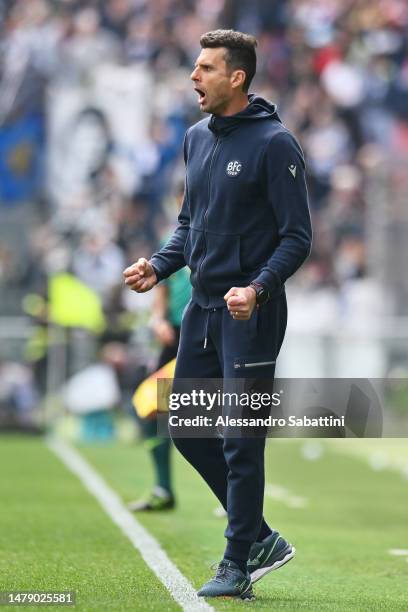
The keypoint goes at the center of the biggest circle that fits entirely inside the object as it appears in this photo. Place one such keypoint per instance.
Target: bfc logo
(234, 168)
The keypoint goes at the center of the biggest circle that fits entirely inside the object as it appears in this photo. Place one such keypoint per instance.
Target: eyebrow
(203, 65)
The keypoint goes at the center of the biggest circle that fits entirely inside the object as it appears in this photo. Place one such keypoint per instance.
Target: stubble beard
(217, 107)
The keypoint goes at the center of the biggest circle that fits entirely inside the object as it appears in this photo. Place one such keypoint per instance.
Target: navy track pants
(232, 467)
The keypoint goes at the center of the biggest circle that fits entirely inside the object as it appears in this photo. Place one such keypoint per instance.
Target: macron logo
(234, 168)
(292, 170)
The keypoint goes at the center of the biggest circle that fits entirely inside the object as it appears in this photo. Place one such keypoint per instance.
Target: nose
(194, 75)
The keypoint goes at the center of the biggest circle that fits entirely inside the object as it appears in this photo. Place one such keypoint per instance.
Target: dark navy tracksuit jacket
(244, 218)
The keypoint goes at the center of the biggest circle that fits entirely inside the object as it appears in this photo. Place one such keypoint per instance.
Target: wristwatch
(262, 293)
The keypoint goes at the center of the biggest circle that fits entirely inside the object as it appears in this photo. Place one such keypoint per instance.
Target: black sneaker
(158, 500)
(269, 555)
(229, 581)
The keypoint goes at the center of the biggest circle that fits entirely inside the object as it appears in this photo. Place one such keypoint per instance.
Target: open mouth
(201, 95)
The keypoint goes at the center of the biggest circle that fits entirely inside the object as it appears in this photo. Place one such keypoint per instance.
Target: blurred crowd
(100, 91)
(338, 70)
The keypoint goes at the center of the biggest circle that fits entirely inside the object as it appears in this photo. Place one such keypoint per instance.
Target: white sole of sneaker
(260, 573)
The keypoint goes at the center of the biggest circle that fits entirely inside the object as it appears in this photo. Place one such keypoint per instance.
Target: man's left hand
(241, 302)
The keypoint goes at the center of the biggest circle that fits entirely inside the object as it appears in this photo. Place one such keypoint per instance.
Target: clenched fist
(241, 301)
(140, 276)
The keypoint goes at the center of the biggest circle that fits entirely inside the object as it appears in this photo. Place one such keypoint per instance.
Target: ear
(238, 78)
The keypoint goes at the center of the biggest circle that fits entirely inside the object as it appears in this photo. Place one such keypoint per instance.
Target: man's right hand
(140, 276)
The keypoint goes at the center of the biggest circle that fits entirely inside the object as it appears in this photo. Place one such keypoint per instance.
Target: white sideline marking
(279, 493)
(178, 586)
(398, 552)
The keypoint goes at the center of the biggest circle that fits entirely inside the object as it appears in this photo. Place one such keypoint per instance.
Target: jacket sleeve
(287, 194)
(170, 258)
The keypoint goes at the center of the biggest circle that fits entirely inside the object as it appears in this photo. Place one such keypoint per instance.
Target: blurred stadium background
(95, 98)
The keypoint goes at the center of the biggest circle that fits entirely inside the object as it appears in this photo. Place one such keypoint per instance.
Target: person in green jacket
(170, 300)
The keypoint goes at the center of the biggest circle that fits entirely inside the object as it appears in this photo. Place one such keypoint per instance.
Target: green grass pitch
(54, 535)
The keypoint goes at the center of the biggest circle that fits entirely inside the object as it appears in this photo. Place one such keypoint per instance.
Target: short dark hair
(240, 53)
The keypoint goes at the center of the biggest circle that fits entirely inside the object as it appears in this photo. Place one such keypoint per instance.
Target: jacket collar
(258, 108)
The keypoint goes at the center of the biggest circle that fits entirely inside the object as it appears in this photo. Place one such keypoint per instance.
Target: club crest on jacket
(234, 168)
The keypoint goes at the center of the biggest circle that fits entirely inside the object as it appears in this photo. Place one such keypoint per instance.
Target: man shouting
(243, 230)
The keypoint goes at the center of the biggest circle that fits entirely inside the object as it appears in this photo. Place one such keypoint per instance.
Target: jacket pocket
(194, 248)
(221, 266)
(254, 250)
(257, 361)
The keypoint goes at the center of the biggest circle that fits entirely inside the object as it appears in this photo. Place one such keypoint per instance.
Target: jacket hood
(258, 108)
